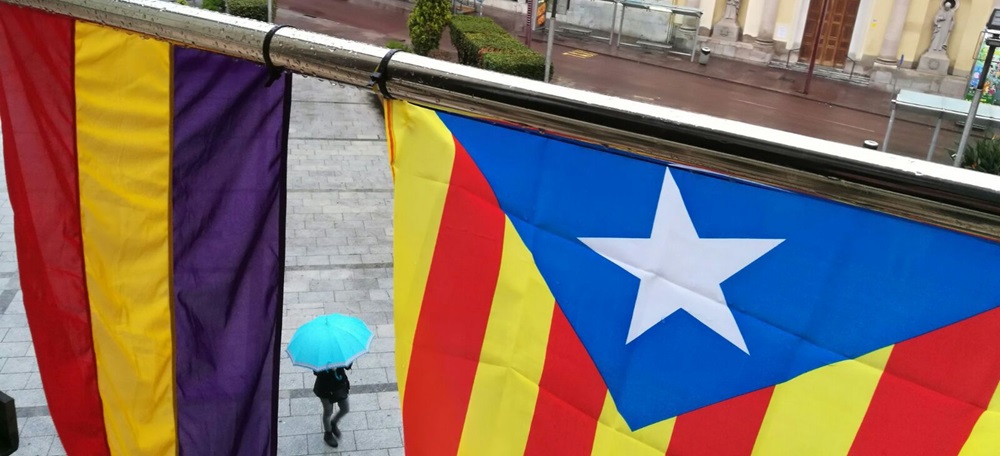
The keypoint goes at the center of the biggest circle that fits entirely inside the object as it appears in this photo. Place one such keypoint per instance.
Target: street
(835, 111)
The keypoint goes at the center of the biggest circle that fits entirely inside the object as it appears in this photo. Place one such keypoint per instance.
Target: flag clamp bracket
(381, 74)
(273, 72)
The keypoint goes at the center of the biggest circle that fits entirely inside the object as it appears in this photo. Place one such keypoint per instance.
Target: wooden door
(835, 38)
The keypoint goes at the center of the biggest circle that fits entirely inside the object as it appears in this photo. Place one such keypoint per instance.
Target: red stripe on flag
(455, 310)
(571, 395)
(37, 104)
(933, 390)
(727, 428)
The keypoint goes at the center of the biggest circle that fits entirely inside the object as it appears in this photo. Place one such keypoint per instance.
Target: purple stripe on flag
(228, 186)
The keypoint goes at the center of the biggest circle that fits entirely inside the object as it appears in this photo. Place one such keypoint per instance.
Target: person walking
(332, 386)
(328, 345)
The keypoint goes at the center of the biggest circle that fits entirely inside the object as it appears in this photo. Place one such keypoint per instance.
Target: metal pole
(974, 106)
(917, 190)
(614, 21)
(888, 128)
(529, 23)
(815, 47)
(621, 25)
(270, 11)
(934, 138)
(548, 46)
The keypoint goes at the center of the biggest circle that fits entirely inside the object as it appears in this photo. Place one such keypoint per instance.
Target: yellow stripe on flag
(985, 437)
(123, 140)
(819, 412)
(613, 436)
(512, 358)
(422, 151)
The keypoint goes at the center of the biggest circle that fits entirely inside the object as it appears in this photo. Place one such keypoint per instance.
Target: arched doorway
(835, 38)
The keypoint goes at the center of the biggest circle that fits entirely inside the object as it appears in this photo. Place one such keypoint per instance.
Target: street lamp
(992, 40)
(551, 24)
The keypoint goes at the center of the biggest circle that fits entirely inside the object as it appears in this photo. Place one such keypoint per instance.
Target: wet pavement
(771, 97)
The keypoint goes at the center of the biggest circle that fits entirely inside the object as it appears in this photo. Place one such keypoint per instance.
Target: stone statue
(944, 22)
(727, 29)
(936, 59)
(732, 9)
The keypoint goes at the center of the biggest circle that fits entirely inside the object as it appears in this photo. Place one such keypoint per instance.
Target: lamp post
(992, 41)
(548, 46)
(815, 46)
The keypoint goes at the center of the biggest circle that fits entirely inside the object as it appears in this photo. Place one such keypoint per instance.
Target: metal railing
(850, 78)
(951, 197)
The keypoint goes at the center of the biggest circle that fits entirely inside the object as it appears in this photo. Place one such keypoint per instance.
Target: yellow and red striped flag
(554, 297)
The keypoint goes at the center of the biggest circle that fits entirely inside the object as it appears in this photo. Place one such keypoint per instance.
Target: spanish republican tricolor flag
(559, 298)
(147, 183)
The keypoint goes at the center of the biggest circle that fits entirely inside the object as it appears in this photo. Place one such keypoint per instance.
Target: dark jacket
(332, 384)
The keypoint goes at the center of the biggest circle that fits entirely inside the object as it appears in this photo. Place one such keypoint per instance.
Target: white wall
(707, 8)
(861, 28)
(754, 9)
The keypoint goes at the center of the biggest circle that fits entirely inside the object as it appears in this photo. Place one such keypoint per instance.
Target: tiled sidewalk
(339, 259)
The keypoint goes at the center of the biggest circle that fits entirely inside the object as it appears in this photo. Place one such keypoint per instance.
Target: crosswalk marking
(579, 53)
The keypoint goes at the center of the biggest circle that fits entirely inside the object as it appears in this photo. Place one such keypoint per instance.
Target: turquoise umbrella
(329, 341)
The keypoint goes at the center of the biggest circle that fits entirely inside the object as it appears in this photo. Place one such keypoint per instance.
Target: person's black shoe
(328, 438)
(336, 431)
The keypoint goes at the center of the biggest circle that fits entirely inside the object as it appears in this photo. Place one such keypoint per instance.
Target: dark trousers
(329, 420)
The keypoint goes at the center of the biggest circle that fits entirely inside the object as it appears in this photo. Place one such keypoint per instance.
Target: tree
(426, 22)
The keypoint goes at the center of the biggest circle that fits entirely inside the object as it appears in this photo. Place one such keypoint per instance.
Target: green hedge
(250, 9)
(481, 42)
(426, 23)
(214, 5)
(525, 63)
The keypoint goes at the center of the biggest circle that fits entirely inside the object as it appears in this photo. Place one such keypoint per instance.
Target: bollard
(8, 426)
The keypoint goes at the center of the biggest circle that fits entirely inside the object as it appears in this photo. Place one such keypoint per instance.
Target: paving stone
(284, 408)
(367, 453)
(364, 402)
(28, 397)
(293, 445)
(34, 380)
(14, 349)
(38, 426)
(17, 335)
(384, 419)
(35, 446)
(13, 320)
(318, 446)
(57, 449)
(19, 365)
(368, 376)
(291, 381)
(383, 345)
(353, 421)
(389, 400)
(298, 425)
(9, 382)
(378, 439)
(306, 406)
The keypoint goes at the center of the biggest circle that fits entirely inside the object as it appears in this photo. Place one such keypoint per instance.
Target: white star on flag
(678, 270)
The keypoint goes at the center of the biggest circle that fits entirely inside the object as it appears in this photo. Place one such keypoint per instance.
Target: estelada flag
(147, 183)
(554, 297)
